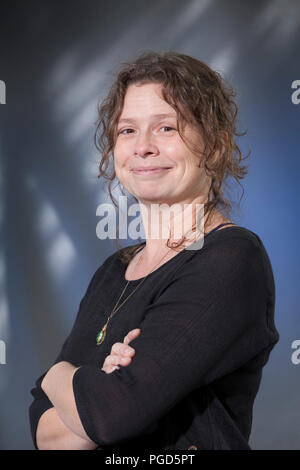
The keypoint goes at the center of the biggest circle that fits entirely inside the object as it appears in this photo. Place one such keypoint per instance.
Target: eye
(168, 127)
(123, 131)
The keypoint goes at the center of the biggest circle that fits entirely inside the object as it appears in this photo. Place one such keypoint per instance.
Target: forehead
(145, 102)
(144, 99)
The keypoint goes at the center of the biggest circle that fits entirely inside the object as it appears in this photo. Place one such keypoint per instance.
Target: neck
(162, 222)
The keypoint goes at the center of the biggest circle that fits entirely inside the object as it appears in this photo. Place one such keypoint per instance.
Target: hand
(120, 353)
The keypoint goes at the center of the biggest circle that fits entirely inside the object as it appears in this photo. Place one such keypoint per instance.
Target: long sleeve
(41, 402)
(212, 318)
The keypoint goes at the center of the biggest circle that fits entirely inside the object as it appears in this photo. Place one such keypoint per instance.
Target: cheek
(175, 153)
(185, 162)
(120, 167)
(121, 154)
(118, 158)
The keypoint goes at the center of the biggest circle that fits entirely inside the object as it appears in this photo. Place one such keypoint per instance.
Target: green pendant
(101, 335)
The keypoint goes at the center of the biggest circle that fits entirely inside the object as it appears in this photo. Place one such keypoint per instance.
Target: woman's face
(148, 137)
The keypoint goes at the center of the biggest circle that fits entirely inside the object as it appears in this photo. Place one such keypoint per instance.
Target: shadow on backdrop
(55, 62)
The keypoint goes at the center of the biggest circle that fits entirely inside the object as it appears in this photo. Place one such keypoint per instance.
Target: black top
(207, 329)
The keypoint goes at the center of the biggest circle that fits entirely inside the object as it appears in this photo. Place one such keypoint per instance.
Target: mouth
(150, 170)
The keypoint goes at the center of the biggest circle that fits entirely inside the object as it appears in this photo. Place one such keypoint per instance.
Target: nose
(144, 145)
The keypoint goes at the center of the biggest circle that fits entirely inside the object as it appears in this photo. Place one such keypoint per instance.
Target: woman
(171, 337)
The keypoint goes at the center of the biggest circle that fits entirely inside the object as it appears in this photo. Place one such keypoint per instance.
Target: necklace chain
(102, 333)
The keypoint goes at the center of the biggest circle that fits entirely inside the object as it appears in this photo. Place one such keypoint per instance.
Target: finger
(121, 349)
(116, 360)
(131, 335)
(117, 348)
(110, 369)
(111, 364)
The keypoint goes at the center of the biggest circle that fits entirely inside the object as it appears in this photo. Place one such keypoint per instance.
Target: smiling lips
(149, 170)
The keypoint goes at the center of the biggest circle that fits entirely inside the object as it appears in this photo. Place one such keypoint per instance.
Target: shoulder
(234, 244)
(235, 253)
(240, 236)
(100, 271)
(116, 259)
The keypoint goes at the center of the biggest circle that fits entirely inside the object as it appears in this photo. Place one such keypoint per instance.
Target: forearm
(53, 434)
(57, 385)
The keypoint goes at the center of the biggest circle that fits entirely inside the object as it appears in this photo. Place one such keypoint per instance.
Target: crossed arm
(60, 427)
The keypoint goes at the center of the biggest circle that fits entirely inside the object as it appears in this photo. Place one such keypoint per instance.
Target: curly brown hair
(199, 96)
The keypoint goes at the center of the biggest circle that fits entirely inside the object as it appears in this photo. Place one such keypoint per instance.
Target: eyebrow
(154, 116)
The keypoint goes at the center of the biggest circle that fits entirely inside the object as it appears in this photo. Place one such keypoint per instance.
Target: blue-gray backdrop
(55, 62)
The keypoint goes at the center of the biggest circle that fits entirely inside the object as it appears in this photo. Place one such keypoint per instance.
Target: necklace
(102, 333)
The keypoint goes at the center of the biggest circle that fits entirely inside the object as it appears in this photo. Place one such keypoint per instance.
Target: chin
(154, 199)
